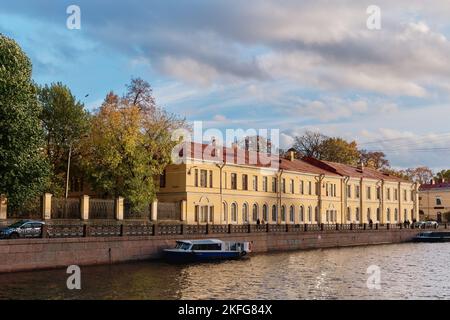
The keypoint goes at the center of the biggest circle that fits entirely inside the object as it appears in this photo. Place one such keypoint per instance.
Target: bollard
(85, 230)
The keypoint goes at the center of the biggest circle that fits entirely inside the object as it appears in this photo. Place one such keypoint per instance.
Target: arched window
(225, 212)
(317, 214)
(265, 215)
(349, 214)
(405, 214)
(412, 214)
(244, 213)
(388, 215)
(283, 214)
(234, 212)
(378, 214)
(357, 218)
(291, 214)
(309, 214)
(302, 214)
(255, 213)
(274, 213)
(368, 214)
(396, 215)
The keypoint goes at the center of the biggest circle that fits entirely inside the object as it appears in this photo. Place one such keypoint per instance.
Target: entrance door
(439, 217)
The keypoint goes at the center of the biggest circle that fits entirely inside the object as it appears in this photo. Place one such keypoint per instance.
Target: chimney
(234, 145)
(257, 144)
(292, 155)
(432, 182)
(269, 147)
(247, 144)
(213, 142)
(360, 166)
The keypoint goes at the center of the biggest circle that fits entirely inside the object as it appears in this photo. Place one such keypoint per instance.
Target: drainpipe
(345, 197)
(319, 194)
(221, 166)
(380, 183)
(279, 191)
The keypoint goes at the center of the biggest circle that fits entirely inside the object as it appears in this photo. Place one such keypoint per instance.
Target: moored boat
(432, 236)
(206, 250)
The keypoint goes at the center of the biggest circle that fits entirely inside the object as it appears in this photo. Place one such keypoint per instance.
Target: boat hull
(201, 256)
(433, 237)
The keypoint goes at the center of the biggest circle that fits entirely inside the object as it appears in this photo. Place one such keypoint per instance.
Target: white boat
(207, 250)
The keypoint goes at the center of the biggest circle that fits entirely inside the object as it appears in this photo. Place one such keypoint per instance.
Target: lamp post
(68, 170)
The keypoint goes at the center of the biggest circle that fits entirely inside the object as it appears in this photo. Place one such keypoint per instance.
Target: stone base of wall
(24, 255)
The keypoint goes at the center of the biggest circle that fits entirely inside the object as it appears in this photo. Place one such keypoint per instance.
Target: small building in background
(434, 201)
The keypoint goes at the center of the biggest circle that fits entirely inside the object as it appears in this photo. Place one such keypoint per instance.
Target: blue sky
(290, 65)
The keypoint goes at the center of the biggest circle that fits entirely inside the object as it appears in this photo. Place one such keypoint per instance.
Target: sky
(261, 64)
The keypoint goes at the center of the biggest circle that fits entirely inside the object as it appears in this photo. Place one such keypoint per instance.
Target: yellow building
(434, 201)
(227, 186)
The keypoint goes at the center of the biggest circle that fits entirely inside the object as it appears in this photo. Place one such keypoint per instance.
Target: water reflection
(407, 271)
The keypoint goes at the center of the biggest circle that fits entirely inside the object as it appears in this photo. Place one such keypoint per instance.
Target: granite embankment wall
(33, 254)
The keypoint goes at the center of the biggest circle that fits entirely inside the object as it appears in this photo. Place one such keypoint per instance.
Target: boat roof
(201, 241)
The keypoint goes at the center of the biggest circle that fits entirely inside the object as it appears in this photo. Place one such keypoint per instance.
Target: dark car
(22, 229)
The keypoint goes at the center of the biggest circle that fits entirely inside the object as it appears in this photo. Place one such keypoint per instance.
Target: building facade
(434, 201)
(217, 186)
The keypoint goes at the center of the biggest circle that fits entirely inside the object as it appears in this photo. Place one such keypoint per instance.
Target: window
(255, 214)
(349, 214)
(291, 214)
(369, 214)
(388, 196)
(326, 191)
(234, 181)
(211, 214)
(395, 195)
(405, 195)
(234, 212)
(274, 213)
(274, 184)
(378, 214)
(396, 215)
(225, 212)
(302, 214)
(405, 215)
(357, 192)
(265, 184)
(204, 214)
(357, 215)
(265, 215)
(412, 196)
(255, 183)
(203, 178)
(225, 180)
(244, 213)
(349, 191)
(378, 193)
(388, 215)
(283, 185)
(210, 179)
(197, 210)
(283, 214)
(196, 178)
(334, 190)
(310, 214)
(302, 185)
(309, 188)
(317, 188)
(369, 190)
(244, 182)
(162, 179)
(438, 201)
(292, 186)
(317, 214)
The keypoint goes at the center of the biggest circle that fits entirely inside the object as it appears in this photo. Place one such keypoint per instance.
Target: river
(407, 271)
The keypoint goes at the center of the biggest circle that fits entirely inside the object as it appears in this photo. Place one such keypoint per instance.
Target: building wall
(214, 201)
(430, 208)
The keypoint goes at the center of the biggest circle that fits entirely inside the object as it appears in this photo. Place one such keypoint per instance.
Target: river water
(407, 271)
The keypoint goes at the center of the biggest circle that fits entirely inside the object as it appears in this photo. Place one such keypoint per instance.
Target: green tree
(65, 123)
(374, 159)
(23, 166)
(443, 174)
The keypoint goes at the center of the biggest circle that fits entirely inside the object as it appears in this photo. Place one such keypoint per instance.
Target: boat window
(183, 245)
(212, 246)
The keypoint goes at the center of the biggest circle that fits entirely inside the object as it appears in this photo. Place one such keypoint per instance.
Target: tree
(396, 173)
(374, 159)
(310, 144)
(65, 122)
(24, 169)
(129, 144)
(422, 175)
(339, 150)
(443, 174)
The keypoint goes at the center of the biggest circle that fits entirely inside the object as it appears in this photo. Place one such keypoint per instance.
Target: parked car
(418, 225)
(22, 229)
(431, 224)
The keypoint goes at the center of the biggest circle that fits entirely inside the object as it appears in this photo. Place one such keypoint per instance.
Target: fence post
(154, 216)
(47, 206)
(376, 226)
(155, 229)
(122, 230)
(229, 228)
(207, 228)
(44, 231)
(119, 209)
(364, 226)
(182, 228)
(267, 227)
(321, 226)
(351, 226)
(249, 228)
(388, 226)
(86, 231)
(84, 207)
(337, 226)
(306, 227)
(3, 207)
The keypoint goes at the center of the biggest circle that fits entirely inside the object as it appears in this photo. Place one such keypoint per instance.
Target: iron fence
(101, 208)
(65, 208)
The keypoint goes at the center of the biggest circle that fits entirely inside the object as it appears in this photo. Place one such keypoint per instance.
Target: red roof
(444, 185)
